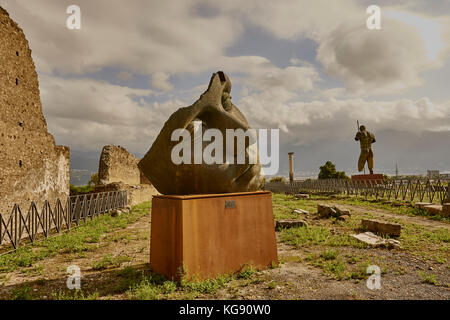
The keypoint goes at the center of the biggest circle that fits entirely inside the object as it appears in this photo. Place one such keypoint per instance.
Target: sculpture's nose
(225, 81)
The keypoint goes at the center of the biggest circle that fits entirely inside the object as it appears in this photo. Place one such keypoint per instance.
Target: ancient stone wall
(118, 165)
(32, 168)
(136, 194)
(118, 170)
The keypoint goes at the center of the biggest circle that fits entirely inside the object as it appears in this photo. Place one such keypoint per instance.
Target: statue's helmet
(362, 128)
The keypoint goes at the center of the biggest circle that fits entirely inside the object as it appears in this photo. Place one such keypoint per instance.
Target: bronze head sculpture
(213, 110)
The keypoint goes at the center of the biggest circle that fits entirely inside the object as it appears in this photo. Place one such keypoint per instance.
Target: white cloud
(312, 122)
(88, 114)
(369, 62)
(145, 37)
(160, 80)
(158, 38)
(381, 61)
(429, 29)
(293, 19)
(161, 40)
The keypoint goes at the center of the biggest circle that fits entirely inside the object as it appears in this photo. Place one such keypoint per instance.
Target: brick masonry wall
(32, 167)
(118, 165)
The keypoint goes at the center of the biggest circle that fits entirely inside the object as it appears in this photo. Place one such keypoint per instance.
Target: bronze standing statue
(365, 139)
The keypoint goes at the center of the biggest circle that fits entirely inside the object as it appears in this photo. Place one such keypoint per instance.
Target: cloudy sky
(309, 68)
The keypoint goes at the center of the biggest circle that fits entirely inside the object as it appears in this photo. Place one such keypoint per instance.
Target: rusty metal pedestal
(213, 234)
(374, 178)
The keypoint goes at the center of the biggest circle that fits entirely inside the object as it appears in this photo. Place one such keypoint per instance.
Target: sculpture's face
(214, 110)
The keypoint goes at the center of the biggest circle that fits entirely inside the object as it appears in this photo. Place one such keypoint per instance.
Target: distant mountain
(85, 160)
(80, 177)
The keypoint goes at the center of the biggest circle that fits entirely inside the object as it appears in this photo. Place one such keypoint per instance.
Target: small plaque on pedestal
(373, 178)
(212, 234)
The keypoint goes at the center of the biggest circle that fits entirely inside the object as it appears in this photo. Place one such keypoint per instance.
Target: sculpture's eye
(226, 101)
(196, 125)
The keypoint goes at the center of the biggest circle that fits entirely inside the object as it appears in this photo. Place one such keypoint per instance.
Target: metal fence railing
(18, 225)
(405, 190)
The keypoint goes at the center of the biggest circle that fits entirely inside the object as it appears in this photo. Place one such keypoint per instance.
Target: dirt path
(299, 280)
(125, 247)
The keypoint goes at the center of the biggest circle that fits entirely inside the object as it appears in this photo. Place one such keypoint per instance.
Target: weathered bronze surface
(215, 110)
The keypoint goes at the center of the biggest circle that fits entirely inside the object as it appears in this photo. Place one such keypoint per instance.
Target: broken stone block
(446, 209)
(326, 211)
(421, 205)
(433, 209)
(302, 196)
(285, 224)
(126, 210)
(301, 211)
(398, 204)
(116, 213)
(344, 217)
(342, 211)
(387, 228)
(375, 241)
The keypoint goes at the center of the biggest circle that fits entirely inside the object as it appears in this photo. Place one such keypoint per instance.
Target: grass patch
(429, 278)
(22, 293)
(343, 267)
(156, 287)
(407, 209)
(329, 254)
(83, 238)
(290, 259)
(152, 287)
(109, 261)
(284, 206)
(206, 286)
(317, 235)
(81, 189)
(429, 244)
(336, 268)
(272, 285)
(247, 272)
(74, 295)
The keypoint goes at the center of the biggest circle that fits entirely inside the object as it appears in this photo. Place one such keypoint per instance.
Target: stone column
(291, 167)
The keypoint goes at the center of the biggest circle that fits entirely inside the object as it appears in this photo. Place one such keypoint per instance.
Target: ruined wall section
(118, 165)
(118, 170)
(32, 168)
